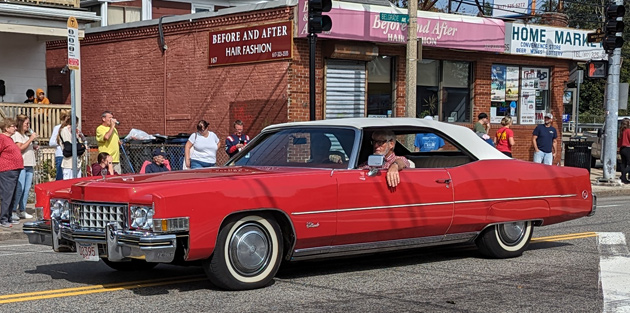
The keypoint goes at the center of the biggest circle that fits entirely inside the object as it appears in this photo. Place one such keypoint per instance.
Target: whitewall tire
(247, 254)
(505, 240)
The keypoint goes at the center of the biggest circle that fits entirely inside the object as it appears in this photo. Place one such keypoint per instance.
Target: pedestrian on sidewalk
(59, 147)
(65, 137)
(24, 138)
(482, 128)
(545, 139)
(504, 138)
(201, 148)
(108, 139)
(235, 142)
(624, 149)
(11, 163)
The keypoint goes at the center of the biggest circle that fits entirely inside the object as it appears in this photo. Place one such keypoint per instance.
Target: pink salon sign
(436, 29)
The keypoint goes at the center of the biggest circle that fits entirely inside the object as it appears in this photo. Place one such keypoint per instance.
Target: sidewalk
(15, 232)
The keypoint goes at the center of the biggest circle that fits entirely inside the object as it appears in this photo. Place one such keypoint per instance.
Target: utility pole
(612, 41)
(412, 62)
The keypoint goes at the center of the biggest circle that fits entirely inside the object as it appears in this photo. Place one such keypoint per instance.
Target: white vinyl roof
(463, 135)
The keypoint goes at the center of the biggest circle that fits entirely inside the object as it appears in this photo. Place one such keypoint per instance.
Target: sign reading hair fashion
(251, 44)
(74, 55)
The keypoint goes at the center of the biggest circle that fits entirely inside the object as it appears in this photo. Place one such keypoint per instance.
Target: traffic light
(316, 21)
(612, 26)
(596, 69)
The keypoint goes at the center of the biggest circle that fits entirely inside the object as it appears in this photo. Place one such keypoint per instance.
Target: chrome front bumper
(114, 244)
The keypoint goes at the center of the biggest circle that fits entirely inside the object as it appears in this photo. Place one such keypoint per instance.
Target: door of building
(346, 84)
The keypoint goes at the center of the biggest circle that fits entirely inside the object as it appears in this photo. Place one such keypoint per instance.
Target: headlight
(58, 207)
(141, 217)
(65, 211)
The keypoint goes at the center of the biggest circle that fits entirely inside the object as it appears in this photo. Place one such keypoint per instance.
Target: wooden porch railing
(43, 117)
(73, 3)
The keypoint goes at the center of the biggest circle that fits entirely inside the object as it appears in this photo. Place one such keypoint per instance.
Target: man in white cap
(545, 139)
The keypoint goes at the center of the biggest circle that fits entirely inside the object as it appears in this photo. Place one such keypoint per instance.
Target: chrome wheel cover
(511, 233)
(250, 249)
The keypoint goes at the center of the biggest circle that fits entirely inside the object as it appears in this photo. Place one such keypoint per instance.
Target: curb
(12, 234)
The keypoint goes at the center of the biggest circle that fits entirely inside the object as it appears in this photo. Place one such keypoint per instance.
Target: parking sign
(74, 55)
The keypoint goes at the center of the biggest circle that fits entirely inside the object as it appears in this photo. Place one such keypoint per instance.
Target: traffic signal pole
(609, 153)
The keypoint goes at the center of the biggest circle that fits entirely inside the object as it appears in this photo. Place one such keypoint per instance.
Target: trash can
(577, 153)
(174, 149)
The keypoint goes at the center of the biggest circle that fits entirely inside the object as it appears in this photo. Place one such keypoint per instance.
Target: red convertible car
(306, 190)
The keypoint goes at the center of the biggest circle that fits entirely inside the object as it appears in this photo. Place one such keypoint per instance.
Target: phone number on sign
(279, 54)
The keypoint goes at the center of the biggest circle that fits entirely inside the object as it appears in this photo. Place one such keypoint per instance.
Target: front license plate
(88, 251)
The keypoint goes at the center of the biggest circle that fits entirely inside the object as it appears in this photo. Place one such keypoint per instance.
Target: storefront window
(443, 90)
(521, 92)
(380, 87)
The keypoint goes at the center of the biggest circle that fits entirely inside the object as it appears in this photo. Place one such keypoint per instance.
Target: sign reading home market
(251, 44)
(551, 42)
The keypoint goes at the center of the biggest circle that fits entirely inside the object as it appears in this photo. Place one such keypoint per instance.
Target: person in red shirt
(624, 149)
(504, 139)
(11, 163)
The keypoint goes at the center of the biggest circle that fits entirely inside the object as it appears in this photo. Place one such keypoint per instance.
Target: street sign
(597, 36)
(74, 55)
(392, 17)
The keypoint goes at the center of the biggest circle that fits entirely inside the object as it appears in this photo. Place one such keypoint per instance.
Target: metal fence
(45, 170)
(132, 157)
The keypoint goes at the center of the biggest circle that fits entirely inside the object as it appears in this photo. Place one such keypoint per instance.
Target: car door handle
(443, 181)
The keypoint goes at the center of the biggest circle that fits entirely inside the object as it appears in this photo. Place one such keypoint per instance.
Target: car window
(316, 147)
(425, 141)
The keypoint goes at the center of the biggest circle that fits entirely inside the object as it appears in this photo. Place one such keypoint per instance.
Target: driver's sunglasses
(379, 142)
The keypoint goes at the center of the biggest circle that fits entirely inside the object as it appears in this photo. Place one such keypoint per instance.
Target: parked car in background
(596, 148)
(301, 191)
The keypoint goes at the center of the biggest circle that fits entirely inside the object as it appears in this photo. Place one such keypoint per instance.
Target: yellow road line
(58, 293)
(67, 292)
(565, 237)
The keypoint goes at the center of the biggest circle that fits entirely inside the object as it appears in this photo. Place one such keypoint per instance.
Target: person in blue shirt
(545, 140)
(426, 142)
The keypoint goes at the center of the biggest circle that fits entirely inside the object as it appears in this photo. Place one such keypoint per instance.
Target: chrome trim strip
(433, 203)
(380, 246)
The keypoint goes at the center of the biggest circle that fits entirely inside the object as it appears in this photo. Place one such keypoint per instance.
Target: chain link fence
(132, 157)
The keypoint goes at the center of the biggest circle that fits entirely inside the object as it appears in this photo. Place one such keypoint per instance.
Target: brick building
(360, 69)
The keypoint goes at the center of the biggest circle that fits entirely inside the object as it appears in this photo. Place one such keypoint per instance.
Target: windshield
(301, 147)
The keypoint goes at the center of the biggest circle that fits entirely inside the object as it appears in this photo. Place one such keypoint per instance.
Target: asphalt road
(556, 274)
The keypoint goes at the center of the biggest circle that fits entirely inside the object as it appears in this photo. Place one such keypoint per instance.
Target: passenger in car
(383, 143)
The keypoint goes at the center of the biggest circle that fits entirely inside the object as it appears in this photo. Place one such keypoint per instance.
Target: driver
(383, 142)
(320, 149)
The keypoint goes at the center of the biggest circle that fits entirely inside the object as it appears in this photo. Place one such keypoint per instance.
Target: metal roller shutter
(345, 89)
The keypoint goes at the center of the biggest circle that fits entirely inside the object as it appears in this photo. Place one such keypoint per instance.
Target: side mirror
(375, 162)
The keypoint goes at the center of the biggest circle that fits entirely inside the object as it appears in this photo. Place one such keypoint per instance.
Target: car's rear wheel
(247, 254)
(505, 240)
(130, 266)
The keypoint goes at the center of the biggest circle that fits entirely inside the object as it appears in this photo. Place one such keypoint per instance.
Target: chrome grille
(96, 216)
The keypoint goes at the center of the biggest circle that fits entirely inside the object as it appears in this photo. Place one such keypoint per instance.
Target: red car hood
(141, 188)
(183, 176)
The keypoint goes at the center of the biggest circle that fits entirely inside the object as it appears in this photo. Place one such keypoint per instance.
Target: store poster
(528, 106)
(535, 78)
(497, 87)
(511, 83)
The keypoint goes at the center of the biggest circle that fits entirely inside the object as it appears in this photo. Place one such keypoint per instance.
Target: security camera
(64, 70)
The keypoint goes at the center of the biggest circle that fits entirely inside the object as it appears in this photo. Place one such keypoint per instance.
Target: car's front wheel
(247, 254)
(505, 240)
